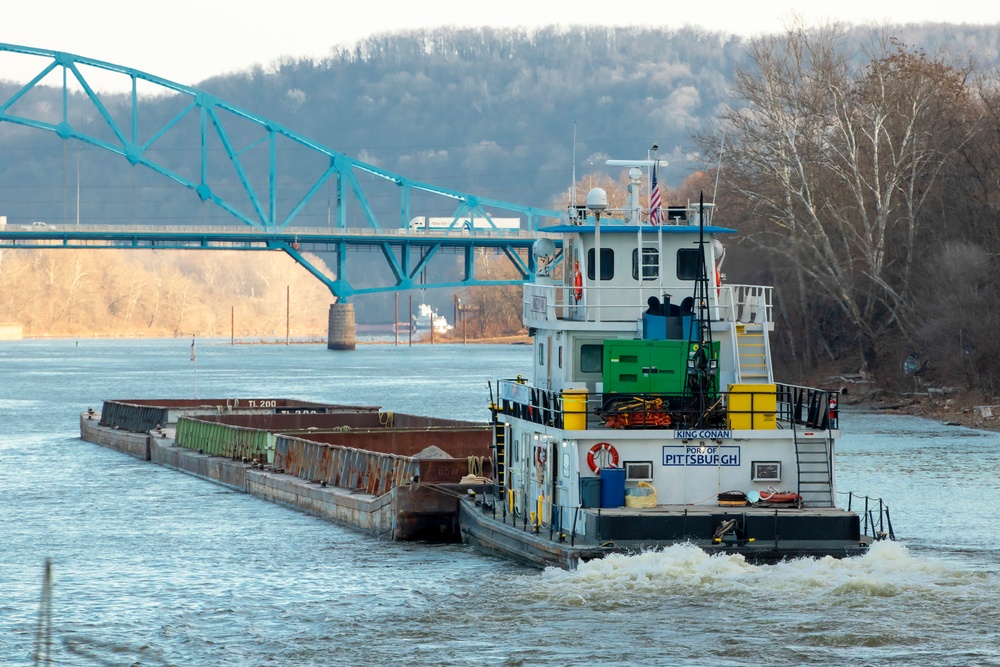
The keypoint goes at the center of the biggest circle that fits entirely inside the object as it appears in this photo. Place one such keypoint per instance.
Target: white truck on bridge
(423, 222)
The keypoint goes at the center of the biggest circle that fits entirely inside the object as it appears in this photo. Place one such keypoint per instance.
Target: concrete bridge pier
(341, 327)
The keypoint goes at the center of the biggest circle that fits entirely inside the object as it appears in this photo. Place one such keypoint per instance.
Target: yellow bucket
(574, 409)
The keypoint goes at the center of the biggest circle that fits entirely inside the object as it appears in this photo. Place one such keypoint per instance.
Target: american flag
(654, 200)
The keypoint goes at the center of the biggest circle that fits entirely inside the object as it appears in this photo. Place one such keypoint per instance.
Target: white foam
(887, 570)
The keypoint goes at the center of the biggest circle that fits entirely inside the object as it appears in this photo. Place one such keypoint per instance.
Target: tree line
(866, 174)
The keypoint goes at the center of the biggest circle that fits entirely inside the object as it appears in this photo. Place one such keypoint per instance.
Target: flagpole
(639, 252)
(659, 226)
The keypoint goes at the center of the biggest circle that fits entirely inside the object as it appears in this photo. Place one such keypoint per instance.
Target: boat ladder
(752, 363)
(500, 457)
(815, 471)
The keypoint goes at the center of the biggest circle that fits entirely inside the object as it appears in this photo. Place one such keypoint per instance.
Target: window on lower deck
(592, 358)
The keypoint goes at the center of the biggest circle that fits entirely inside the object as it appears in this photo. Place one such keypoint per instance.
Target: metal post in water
(43, 630)
(410, 327)
(288, 309)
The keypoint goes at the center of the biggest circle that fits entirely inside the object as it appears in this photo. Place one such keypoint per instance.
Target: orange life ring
(578, 284)
(602, 451)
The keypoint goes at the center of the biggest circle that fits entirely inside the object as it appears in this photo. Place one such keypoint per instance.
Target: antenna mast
(702, 362)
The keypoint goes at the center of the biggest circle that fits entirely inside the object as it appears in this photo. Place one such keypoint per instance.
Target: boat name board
(695, 455)
(538, 304)
(707, 434)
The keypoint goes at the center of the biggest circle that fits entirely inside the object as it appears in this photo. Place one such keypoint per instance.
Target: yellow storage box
(751, 406)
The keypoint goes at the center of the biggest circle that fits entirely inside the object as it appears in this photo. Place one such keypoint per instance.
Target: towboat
(652, 416)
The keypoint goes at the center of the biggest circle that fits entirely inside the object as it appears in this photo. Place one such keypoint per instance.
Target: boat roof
(617, 228)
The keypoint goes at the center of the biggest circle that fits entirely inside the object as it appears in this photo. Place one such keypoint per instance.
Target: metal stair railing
(815, 472)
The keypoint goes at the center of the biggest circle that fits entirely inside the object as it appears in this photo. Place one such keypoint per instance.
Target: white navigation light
(597, 200)
(543, 247)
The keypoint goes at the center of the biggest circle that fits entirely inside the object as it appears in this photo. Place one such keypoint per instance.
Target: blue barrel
(612, 487)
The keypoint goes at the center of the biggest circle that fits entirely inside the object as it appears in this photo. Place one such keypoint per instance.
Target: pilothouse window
(650, 264)
(688, 263)
(607, 264)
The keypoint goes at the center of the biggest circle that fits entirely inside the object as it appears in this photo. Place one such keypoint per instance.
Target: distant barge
(396, 476)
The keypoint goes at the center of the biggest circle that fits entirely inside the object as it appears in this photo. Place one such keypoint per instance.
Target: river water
(154, 567)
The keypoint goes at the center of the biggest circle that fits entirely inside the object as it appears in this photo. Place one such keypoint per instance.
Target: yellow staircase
(752, 354)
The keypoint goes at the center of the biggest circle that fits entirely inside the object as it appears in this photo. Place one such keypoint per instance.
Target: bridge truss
(236, 146)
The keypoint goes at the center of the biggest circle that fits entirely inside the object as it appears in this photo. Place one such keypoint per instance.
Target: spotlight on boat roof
(543, 247)
(597, 200)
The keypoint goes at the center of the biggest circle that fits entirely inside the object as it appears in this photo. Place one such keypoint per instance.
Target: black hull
(761, 535)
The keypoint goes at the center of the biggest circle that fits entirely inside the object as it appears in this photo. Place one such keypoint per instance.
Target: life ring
(601, 452)
(578, 284)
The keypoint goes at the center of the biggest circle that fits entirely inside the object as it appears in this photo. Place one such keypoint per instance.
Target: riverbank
(951, 406)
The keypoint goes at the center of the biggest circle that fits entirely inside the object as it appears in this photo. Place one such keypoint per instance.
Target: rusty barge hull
(351, 464)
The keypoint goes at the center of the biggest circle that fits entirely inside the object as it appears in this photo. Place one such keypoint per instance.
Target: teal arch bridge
(240, 162)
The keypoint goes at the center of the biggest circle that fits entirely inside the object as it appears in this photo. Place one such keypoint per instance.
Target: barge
(653, 416)
(392, 475)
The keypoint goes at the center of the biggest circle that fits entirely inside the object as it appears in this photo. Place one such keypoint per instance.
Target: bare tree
(837, 163)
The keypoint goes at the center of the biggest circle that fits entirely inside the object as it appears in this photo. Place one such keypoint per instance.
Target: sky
(188, 41)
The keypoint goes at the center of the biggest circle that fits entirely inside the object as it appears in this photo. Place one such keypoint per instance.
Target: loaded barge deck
(392, 475)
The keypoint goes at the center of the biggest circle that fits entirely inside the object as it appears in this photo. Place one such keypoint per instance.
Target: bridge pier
(341, 330)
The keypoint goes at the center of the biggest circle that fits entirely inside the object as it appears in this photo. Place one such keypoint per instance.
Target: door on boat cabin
(547, 384)
(562, 466)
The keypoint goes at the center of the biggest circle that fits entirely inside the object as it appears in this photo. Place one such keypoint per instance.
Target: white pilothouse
(653, 416)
